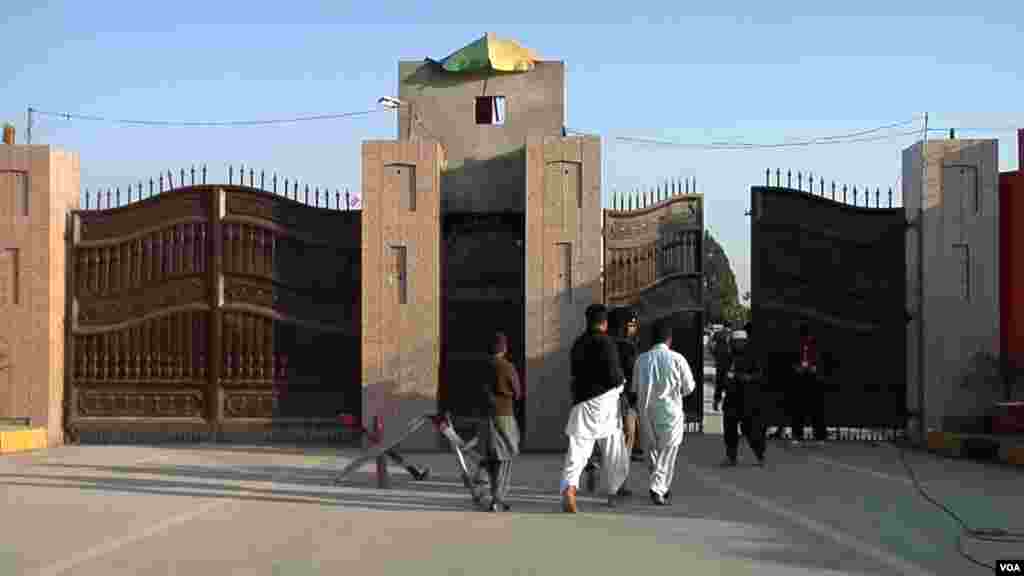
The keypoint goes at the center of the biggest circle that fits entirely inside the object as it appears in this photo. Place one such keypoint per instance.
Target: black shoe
(498, 507)
(420, 474)
(668, 496)
(637, 457)
(760, 461)
(728, 463)
(624, 492)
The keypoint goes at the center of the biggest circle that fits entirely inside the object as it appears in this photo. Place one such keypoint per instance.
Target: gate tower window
(490, 110)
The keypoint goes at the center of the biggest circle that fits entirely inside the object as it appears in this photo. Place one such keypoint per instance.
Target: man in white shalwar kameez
(597, 383)
(662, 378)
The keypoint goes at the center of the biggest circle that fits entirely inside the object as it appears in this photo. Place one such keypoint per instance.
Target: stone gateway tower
(520, 219)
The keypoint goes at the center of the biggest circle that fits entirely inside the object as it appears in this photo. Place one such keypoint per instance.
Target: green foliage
(721, 295)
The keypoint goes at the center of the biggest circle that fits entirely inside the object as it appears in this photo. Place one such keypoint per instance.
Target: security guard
(742, 408)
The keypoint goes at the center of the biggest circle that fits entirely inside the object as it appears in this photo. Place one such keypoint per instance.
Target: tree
(721, 296)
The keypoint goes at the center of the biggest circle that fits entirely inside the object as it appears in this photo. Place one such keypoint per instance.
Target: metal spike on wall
(204, 173)
(252, 178)
(274, 181)
(231, 174)
(348, 203)
(193, 175)
(778, 177)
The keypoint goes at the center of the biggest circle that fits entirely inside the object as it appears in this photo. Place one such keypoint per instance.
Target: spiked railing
(861, 197)
(320, 197)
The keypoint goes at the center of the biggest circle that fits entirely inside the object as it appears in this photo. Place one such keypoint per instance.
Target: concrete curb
(12, 441)
(977, 447)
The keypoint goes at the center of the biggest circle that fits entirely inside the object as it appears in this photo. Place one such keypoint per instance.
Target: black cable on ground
(999, 535)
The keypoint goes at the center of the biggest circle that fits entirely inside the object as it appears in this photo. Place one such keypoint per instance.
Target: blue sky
(750, 71)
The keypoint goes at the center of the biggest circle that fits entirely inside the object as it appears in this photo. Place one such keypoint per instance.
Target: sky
(758, 72)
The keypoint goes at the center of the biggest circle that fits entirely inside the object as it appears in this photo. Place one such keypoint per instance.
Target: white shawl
(596, 418)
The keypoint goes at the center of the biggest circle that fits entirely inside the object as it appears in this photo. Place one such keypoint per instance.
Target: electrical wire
(223, 123)
(736, 147)
(999, 535)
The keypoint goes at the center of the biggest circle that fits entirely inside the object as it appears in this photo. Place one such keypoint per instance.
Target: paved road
(197, 510)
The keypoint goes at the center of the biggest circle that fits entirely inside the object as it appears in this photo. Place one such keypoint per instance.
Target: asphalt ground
(214, 509)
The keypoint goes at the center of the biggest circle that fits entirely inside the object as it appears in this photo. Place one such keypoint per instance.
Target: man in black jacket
(595, 417)
(627, 326)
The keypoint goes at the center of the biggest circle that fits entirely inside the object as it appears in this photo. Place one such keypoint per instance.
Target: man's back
(595, 366)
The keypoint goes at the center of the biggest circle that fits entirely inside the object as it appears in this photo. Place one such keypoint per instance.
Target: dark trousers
(500, 474)
(807, 405)
(736, 419)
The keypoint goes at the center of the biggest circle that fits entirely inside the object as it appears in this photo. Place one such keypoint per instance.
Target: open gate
(840, 269)
(652, 262)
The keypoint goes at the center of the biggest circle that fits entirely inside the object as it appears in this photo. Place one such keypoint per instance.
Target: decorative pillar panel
(563, 259)
(401, 291)
(38, 186)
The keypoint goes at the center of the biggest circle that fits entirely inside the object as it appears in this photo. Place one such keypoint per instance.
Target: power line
(735, 147)
(850, 137)
(204, 124)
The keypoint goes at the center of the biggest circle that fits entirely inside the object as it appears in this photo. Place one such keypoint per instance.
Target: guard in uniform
(742, 406)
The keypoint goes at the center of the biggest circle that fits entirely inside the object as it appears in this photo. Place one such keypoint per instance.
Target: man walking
(626, 326)
(721, 350)
(628, 352)
(662, 378)
(742, 407)
(498, 432)
(597, 384)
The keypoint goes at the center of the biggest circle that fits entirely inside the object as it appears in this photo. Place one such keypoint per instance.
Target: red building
(1011, 230)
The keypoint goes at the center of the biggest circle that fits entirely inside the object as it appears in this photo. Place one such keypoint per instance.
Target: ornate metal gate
(212, 311)
(652, 262)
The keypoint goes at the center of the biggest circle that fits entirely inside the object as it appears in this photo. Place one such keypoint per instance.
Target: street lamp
(390, 103)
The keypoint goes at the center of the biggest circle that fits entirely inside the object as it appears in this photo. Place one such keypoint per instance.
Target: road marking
(118, 543)
(812, 525)
(868, 471)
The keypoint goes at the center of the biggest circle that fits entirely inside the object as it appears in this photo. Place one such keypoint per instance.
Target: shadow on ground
(725, 526)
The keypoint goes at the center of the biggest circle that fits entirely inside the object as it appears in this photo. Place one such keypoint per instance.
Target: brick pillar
(38, 188)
